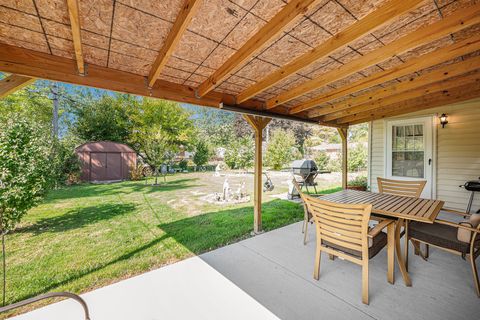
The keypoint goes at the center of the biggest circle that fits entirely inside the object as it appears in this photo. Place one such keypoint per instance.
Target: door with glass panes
(409, 151)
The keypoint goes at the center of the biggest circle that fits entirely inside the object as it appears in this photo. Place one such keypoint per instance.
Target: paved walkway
(270, 277)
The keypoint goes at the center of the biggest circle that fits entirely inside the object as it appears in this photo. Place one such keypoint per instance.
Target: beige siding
(458, 152)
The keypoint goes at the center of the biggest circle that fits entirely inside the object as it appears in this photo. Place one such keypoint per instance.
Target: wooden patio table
(395, 207)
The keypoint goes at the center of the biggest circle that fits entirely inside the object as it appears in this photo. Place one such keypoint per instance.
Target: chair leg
(417, 247)
(318, 256)
(475, 275)
(406, 246)
(427, 251)
(390, 253)
(331, 256)
(306, 232)
(365, 282)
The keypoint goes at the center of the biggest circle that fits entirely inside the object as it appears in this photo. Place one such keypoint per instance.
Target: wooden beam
(189, 9)
(449, 71)
(275, 26)
(459, 94)
(258, 124)
(342, 116)
(344, 135)
(76, 34)
(13, 83)
(455, 50)
(457, 21)
(370, 23)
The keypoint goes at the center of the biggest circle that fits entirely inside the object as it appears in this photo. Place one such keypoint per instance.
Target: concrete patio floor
(270, 277)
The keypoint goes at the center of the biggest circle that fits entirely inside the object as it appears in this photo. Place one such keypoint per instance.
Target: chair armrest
(379, 227)
(457, 225)
(460, 213)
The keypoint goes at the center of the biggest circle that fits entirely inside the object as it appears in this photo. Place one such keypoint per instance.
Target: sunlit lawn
(87, 236)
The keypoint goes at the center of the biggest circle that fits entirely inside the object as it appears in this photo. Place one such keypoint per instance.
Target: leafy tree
(161, 128)
(357, 157)
(215, 126)
(280, 149)
(301, 131)
(25, 172)
(202, 153)
(107, 118)
(240, 153)
(322, 159)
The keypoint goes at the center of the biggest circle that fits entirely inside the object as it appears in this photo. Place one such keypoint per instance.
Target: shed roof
(104, 146)
(334, 62)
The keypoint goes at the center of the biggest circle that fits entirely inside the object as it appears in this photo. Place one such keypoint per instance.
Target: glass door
(409, 151)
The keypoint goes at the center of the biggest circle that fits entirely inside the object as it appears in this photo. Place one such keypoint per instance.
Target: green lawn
(88, 236)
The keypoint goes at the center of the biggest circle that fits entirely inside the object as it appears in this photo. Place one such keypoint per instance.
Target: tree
(240, 153)
(215, 126)
(357, 157)
(25, 172)
(107, 118)
(280, 149)
(202, 153)
(322, 159)
(161, 128)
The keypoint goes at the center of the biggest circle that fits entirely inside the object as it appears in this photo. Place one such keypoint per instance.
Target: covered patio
(328, 62)
(270, 277)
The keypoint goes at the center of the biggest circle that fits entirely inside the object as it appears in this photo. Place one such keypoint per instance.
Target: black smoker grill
(305, 172)
(473, 186)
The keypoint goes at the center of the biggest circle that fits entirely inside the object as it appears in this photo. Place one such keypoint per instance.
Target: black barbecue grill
(305, 171)
(473, 186)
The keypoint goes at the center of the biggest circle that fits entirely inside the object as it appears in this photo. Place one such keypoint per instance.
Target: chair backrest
(401, 187)
(340, 224)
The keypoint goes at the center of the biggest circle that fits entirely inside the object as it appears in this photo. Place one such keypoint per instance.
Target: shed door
(98, 164)
(114, 166)
(409, 151)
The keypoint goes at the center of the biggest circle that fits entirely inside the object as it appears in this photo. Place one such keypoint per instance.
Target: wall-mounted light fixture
(443, 120)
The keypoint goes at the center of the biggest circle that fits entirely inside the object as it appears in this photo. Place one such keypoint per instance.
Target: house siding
(457, 152)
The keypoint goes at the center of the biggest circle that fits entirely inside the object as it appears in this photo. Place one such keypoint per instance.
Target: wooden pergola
(328, 62)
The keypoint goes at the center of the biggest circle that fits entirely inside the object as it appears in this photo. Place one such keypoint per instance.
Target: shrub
(202, 153)
(357, 158)
(281, 149)
(322, 159)
(240, 154)
(360, 181)
(335, 163)
(137, 172)
(183, 165)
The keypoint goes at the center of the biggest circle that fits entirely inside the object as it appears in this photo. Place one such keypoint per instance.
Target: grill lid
(473, 185)
(305, 164)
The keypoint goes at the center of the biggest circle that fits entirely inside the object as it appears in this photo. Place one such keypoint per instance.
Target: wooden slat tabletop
(409, 208)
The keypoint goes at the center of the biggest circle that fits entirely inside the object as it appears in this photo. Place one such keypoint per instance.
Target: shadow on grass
(118, 188)
(198, 234)
(78, 218)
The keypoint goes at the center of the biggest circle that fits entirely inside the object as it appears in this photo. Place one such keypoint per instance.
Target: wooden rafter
(370, 23)
(13, 83)
(427, 60)
(190, 7)
(45, 66)
(459, 20)
(458, 94)
(449, 71)
(76, 34)
(275, 26)
(435, 87)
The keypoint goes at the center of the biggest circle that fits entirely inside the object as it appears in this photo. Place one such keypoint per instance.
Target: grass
(88, 236)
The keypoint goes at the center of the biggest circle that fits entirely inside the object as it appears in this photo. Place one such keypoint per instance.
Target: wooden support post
(344, 135)
(258, 124)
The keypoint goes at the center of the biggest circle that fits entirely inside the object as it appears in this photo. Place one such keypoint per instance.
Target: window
(408, 151)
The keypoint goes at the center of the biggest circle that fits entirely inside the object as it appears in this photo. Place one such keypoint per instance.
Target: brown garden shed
(106, 161)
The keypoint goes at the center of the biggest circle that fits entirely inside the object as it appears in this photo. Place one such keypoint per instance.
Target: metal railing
(48, 296)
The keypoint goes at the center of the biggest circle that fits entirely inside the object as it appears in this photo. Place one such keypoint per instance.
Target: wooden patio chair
(342, 230)
(459, 238)
(307, 216)
(406, 188)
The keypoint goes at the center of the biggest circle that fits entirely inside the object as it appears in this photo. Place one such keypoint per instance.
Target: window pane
(409, 143)
(409, 131)
(418, 130)
(419, 143)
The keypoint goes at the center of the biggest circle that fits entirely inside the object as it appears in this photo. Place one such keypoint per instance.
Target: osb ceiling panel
(128, 34)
